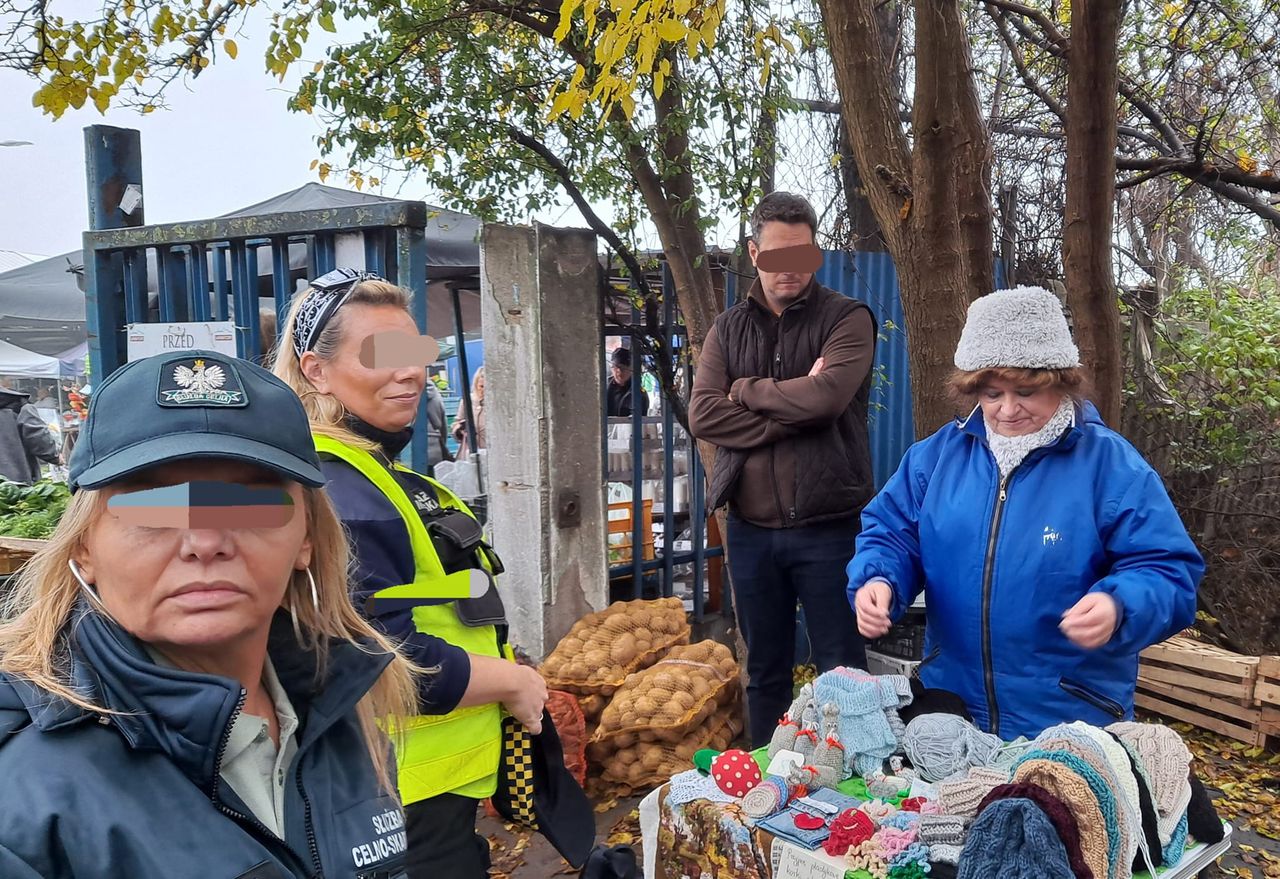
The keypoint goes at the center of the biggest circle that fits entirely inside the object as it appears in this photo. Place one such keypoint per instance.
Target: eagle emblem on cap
(200, 383)
(199, 377)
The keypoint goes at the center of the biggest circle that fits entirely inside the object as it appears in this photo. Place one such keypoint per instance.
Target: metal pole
(113, 170)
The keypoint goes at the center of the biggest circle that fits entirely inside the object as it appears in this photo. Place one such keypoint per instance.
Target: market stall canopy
(42, 307)
(21, 363)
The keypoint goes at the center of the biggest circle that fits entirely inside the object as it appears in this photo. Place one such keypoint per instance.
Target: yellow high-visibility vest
(457, 752)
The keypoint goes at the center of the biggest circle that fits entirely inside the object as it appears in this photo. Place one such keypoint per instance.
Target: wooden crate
(1207, 687)
(620, 523)
(1267, 691)
(14, 552)
(1192, 665)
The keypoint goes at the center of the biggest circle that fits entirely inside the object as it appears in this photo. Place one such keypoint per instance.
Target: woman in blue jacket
(1048, 550)
(185, 687)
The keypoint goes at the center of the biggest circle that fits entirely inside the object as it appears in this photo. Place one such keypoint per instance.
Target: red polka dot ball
(735, 772)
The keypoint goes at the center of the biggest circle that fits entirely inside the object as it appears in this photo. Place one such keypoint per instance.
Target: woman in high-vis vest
(351, 351)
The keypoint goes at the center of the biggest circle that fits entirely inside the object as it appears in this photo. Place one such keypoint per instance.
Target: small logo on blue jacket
(1051, 536)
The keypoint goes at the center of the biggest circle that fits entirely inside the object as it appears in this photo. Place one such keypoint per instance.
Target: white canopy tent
(21, 363)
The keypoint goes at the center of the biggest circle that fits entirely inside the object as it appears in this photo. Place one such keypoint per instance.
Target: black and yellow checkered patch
(517, 770)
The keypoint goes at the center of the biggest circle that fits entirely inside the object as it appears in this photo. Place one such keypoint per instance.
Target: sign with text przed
(146, 340)
(796, 863)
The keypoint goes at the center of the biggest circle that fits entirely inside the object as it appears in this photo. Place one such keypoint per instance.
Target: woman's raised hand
(872, 604)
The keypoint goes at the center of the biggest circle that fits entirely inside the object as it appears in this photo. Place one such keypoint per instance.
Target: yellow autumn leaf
(659, 83)
(672, 31)
(232, 49)
(1247, 164)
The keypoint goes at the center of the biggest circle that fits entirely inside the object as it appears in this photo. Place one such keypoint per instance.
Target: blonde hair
(325, 411)
(477, 394)
(39, 611)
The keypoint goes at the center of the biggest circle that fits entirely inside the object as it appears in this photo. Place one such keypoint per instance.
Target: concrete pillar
(540, 315)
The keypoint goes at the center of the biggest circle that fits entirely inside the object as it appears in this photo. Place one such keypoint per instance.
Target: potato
(645, 707)
(684, 699)
(651, 759)
(623, 650)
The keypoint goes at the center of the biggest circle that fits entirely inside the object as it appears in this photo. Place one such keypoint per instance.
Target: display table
(706, 840)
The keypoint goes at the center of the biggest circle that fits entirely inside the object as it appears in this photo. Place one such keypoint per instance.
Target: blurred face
(183, 589)
(621, 374)
(781, 288)
(1017, 410)
(480, 385)
(385, 398)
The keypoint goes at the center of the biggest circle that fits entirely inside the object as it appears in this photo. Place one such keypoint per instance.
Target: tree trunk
(1091, 133)
(933, 206)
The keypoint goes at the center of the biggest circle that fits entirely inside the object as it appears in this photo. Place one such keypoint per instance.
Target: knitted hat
(1063, 821)
(1120, 844)
(1147, 809)
(1074, 792)
(942, 829)
(1022, 327)
(1202, 819)
(1168, 763)
(735, 772)
(944, 854)
(962, 796)
(1014, 839)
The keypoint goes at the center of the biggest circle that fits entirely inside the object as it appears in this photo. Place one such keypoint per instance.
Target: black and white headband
(328, 293)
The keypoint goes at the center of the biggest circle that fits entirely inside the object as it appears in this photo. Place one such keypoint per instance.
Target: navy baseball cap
(193, 404)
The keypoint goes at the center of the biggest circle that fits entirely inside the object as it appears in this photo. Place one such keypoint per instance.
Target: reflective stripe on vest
(456, 752)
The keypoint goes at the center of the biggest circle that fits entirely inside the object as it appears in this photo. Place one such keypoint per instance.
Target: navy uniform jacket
(138, 794)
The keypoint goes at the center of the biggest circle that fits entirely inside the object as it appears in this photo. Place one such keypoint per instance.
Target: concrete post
(541, 323)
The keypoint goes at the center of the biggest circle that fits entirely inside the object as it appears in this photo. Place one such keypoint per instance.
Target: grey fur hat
(1023, 327)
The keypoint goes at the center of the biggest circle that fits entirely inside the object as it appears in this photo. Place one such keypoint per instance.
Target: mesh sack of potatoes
(603, 648)
(649, 764)
(665, 701)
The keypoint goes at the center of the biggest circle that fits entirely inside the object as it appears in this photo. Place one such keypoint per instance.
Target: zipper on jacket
(232, 813)
(311, 830)
(988, 572)
(1097, 700)
(773, 449)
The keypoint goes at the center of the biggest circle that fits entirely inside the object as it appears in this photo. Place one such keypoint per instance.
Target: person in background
(408, 530)
(47, 399)
(25, 439)
(619, 393)
(181, 695)
(783, 387)
(437, 450)
(460, 432)
(1049, 553)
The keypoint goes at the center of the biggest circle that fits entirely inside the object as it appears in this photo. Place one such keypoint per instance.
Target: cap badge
(201, 383)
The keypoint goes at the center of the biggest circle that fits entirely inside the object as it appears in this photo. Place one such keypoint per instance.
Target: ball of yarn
(942, 745)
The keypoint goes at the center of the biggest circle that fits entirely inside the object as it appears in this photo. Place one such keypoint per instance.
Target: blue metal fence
(872, 278)
(209, 271)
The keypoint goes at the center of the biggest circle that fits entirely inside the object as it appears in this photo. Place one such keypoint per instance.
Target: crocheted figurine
(807, 738)
(784, 737)
(828, 756)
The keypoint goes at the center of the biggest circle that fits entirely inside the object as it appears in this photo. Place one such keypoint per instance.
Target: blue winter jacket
(137, 794)
(1000, 565)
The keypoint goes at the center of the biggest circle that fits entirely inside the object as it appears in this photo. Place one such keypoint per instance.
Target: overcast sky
(226, 141)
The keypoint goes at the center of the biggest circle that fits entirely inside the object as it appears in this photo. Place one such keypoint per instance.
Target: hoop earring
(89, 592)
(293, 607)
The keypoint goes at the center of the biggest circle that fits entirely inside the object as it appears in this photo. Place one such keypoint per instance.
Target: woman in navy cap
(412, 538)
(185, 688)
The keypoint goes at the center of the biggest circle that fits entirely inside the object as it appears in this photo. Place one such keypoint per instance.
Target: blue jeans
(772, 568)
